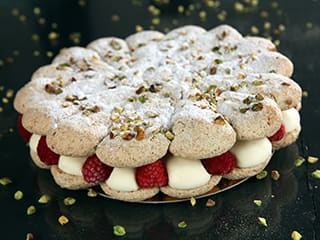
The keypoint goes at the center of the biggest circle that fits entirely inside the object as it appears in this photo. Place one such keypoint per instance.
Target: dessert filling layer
(33, 143)
(186, 173)
(123, 179)
(251, 153)
(71, 165)
(291, 119)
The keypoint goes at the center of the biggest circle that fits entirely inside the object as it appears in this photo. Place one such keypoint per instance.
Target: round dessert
(174, 113)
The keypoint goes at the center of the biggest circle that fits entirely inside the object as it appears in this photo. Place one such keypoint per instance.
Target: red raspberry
(221, 164)
(24, 133)
(45, 154)
(278, 135)
(94, 171)
(152, 175)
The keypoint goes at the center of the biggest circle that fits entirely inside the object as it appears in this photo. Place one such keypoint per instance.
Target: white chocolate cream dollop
(251, 153)
(123, 179)
(34, 141)
(186, 173)
(291, 119)
(71, 165)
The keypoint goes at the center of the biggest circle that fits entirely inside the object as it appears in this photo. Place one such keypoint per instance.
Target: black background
(291, 203)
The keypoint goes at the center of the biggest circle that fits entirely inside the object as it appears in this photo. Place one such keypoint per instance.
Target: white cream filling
(291, 119)
(123, 179)
(251, 153)
(71, 165)
(33, 142)
(186, 173)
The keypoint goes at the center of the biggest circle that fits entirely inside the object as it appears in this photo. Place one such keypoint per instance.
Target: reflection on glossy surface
(234, 211)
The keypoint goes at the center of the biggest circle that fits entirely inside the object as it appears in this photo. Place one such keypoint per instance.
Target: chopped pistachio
(215, 49)
(169, 135)
(155, 21)
(202, 15)
(218, 61)
(91, 193)
(131, 99)
(243, 110)
(259, 97)
(262, 175)
(193, 201)
(247, 100)
(257, 202)
(234, 87)
(115, 18)
(152, 114)
(118, 109)
(299, 161)
(37, 11)
(49, 54)
(238, 7)
(86, 112)
(312, 159)
(15, 12)
(75, 37)
(18, 195)
(211, 88)
(140, 90)
(305, 94)
(119, 230)
(139, 28)
(69, 201)
(210, 203)
(227, 70)
(5, 181)
(154, 10)
(281, 28)
(222, 16)
(124, 127)
(53, 36)
(257, 107)
(115, 119)
(156, 131)
(115, 44)
(182, 224)
(142, 99)
(267, 25)
(242, 75)
(257, 83)
(219, 120)
(277, 42)
(295, 235)
(5, 100)
(213, 70)
(44, 199)
(140, 133)
(316, 174)
(254, 30)
(31, 210)
(63, 220)
(82, 3)
(262, 221)
(22, 18)
(112, 135)
(275, 175)
(180, 9)
(29, 236)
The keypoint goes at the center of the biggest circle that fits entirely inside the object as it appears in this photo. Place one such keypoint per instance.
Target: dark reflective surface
(291, 203)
